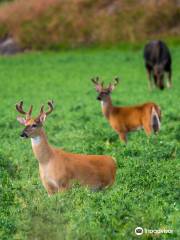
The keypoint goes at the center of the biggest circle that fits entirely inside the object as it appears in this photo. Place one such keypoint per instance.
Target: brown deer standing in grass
(127, 119)
(57, 168)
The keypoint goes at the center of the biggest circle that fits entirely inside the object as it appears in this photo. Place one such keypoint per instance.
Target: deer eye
(34, 125)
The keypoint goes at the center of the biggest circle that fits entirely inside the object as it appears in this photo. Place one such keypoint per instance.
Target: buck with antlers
(127, 119)
(58, 168)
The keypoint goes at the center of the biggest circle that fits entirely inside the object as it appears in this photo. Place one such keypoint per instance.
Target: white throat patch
(35, 140)
(102, 103)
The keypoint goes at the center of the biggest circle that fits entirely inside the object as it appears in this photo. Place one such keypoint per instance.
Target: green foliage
(146, 189)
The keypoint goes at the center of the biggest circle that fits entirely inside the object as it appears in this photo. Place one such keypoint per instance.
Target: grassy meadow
(145, 193)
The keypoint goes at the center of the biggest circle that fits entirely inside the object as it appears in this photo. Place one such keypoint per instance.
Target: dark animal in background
(158, 61)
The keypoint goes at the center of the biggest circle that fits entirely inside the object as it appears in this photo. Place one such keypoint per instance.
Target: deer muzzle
(24, 135)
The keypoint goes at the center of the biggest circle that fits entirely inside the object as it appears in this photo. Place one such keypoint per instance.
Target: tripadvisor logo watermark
(139, 231)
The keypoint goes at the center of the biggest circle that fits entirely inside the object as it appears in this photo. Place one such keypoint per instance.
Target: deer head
(32, 125)
(104, 92)
(158, 72)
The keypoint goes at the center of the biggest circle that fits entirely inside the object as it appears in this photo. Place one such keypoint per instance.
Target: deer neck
(41, 148)
(107, 106)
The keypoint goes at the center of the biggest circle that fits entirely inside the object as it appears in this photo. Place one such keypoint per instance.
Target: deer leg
(169, 82)
(147, 127)
(50, 188)
(150, 84)
(96, 188)
(122, 136)
(51, 191)
(64, 187)
(147, 130)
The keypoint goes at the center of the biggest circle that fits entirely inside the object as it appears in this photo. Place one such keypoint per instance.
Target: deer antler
(96, 80)
(19, 108)
(113, 85)
(116, 81)
(98, 85)
(51, 107)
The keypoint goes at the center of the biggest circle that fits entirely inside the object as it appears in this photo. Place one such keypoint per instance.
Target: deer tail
(156, 118)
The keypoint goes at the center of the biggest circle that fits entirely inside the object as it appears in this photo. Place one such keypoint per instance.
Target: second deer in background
(127, 119)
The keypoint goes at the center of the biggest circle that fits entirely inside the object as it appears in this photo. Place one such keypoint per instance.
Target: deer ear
(21, 120)
(42, 117)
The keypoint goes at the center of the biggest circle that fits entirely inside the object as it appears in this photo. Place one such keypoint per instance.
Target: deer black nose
(99, 98)
(23, 134)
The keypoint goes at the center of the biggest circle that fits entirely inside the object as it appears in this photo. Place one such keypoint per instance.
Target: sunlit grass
(145, 191)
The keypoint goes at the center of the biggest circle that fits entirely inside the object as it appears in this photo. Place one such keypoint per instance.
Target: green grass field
(146, 189)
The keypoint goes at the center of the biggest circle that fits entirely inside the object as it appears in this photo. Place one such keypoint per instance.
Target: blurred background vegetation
(52, 24)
